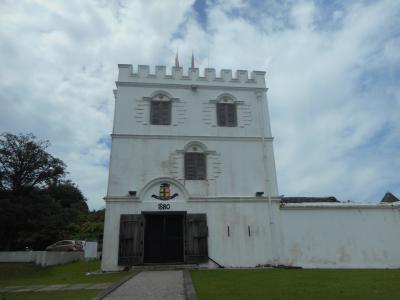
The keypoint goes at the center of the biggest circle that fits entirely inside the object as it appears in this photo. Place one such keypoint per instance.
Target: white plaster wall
(51, 258)
(342, 237)
(141, 151)
(192, 113)
(90, 250)
(17, 256)
(235, 169)
(240, 160)
(43, 258)
(311, 237)
(237, 250)
(327, 237)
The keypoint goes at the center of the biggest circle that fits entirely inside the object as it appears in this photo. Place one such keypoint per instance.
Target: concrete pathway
(55, 287)
(151, 285)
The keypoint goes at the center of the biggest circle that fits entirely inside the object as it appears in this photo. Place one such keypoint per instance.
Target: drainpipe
(261, 117)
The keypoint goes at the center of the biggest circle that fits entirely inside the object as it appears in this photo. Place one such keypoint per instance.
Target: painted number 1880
(164, 206)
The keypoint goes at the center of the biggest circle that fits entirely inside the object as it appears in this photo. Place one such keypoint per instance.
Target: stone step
(163, 267)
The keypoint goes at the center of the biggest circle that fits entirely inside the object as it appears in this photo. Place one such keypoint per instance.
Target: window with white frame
(226, 114)
(160, 110)
(195, 166)
(195, 161)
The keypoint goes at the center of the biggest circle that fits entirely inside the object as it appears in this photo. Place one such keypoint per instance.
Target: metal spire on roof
(176, 59)
(192, 62)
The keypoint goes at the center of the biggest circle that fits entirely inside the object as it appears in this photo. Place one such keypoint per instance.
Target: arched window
(160, 110)
(226, 111)
(195, 162)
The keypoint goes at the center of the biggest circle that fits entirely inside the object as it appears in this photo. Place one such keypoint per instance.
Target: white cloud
(333, 75)
(59, 65)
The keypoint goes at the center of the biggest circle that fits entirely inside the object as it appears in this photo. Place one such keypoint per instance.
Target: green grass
(277, 284)
(28, 274)
(62, 295)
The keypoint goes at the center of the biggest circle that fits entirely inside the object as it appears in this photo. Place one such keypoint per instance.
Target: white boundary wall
(43, 258)
(18, 256)
(320, 235)
(340, 235)
(90, 250)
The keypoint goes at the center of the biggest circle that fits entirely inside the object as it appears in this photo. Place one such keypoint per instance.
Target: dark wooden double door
(163, 238)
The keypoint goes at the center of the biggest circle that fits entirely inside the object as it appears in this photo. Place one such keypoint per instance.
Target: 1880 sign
(163, 206)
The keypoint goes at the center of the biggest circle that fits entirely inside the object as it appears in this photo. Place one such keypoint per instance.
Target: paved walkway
(54, 287)
(151, 285)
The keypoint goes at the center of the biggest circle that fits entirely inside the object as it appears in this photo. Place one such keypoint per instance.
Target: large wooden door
(196, 247)
(131, 240)
(163, 242)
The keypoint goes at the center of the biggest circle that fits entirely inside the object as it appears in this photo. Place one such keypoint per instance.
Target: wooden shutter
(231, 115)
(200, 166)
(195, 166)
(226, 114)
(196, 247)
(154, 113)
(131, 240)
(221, 114)
(190, 169)
(160, 113)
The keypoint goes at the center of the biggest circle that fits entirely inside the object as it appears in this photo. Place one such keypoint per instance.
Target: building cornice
(192, 199)
(121, 199)
(231, 199)
(190, 137)
(190, 85)
(309, 206)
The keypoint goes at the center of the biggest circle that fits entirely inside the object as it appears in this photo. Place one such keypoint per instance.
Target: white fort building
(192, 180)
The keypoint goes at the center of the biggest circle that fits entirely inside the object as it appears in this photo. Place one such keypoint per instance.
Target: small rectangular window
(195, 166)
(160, 113)
(226, 114)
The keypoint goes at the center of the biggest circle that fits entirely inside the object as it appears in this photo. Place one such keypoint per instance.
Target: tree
(68, 195)
(25, 164)
(37, 207)
(39, 217)
(91, 227)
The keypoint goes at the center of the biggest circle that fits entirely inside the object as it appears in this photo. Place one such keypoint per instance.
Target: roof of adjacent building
(389, 198)
(308, 199)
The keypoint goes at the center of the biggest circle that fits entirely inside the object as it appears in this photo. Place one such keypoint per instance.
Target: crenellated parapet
(225, 77)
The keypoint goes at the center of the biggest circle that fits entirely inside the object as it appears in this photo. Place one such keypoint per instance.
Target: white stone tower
(192, 173)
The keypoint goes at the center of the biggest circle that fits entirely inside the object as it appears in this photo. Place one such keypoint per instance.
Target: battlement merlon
(192, 77)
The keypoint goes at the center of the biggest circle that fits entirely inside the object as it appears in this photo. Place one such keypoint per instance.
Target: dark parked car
(66, 245)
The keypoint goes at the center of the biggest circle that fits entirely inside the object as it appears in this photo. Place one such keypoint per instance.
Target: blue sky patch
(200, 7)
(105, 140)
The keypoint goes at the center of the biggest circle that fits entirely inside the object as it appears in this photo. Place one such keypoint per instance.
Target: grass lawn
(62, 295)
(276, 284)
(29, 274)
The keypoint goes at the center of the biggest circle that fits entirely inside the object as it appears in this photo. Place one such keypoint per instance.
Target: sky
(333, 73)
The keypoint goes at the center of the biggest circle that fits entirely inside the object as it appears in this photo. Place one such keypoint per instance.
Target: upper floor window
(226, 114)
(160, 110)
(195, 166)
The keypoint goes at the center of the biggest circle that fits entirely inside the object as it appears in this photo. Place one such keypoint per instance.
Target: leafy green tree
(37, 207)
(24, 163)
(91, 227)
(68, 195)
